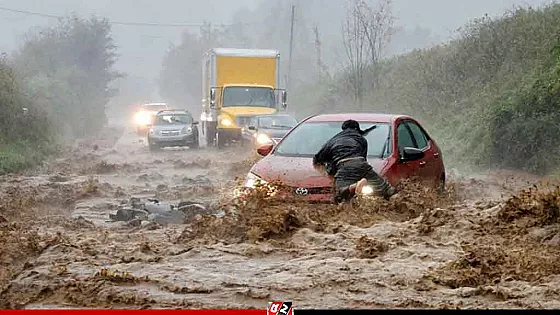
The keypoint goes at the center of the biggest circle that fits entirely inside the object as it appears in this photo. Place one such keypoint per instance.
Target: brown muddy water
(486, 244)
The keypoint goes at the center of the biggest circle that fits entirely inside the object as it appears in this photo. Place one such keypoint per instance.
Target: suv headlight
(252, 180)
(186, 130)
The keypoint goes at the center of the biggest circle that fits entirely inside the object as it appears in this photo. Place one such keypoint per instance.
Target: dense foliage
(67, 70)
(61, 75)
(24, 130)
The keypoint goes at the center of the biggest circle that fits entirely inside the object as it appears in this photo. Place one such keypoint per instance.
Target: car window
(280, 121)
(308, 138)
(404, 138)
(253, 122)
(419, 135)
(176, 119)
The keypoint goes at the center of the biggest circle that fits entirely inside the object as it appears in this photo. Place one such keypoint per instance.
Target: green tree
(25, 135)
(68, 70)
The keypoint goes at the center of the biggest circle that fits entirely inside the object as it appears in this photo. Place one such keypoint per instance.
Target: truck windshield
(248, 96)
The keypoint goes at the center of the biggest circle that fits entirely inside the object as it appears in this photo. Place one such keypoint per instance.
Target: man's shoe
(390, 192)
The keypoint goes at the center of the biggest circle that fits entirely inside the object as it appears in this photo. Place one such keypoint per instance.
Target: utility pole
(318, 51)
(291, 48)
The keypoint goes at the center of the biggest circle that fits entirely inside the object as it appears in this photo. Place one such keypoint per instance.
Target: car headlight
(263, 139)
(151, 132)
(252, 181)
(143, 118)
(186, 130)
(226, 122)
(367, 190)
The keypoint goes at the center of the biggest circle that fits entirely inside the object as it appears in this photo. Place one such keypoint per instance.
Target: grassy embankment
(491, 97)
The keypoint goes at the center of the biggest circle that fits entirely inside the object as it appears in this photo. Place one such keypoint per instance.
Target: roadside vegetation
(61, 75)
(24, 134)
(491, 96)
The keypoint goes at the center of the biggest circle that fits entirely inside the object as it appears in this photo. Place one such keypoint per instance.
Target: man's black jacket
(348, 143)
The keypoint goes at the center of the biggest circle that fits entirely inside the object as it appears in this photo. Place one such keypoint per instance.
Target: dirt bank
(484, 244)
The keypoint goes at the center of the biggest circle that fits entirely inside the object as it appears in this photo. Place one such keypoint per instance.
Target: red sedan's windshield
(308, 138)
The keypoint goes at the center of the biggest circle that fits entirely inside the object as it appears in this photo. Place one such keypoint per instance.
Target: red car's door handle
(422, 163)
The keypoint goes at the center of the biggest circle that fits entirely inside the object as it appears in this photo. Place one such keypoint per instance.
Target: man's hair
(350, 124)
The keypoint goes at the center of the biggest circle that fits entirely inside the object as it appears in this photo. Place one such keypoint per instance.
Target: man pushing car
(344, 157)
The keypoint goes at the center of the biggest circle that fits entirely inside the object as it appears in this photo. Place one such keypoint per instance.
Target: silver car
(173, 128)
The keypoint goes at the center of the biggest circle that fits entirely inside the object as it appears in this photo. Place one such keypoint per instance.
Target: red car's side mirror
(265, 149)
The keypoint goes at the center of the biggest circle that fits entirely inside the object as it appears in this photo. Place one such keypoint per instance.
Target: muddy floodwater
(486, 244)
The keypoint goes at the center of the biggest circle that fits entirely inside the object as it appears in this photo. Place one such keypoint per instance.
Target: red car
(398, 148)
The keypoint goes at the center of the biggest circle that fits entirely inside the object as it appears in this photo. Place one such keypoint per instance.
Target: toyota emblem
(302, 191)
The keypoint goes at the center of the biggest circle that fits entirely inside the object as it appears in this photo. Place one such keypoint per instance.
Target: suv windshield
(248, 96)
(173, 119)
(308, 138)
(280, 122)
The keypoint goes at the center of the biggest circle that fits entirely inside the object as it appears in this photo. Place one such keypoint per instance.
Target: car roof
(154, 104)
(274, 115)
(173, 111)
(369, 117)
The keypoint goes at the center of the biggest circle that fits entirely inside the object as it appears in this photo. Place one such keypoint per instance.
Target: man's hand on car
(319, 167)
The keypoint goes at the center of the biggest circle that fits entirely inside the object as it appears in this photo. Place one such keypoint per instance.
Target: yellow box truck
(238, 84)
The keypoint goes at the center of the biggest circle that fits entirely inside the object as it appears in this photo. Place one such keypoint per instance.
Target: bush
(21, 155)
(25, 136)
(525, 125)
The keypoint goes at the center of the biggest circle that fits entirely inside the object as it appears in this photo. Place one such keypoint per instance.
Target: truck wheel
(210, 134)
(441, 186)
(220, 140)
(195, 145)
(153, 147)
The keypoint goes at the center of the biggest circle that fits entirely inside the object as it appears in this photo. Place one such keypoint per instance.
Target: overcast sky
(142, 47)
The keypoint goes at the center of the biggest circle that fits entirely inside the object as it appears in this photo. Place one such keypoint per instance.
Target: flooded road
(477, 247)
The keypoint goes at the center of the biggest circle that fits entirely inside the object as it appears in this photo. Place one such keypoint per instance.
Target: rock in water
(158, 208)
(123, 214)
(169, 217)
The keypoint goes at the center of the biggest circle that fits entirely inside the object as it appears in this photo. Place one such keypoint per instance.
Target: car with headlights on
(145, 114)
(173, 128)
(398, 148)
(268, 129)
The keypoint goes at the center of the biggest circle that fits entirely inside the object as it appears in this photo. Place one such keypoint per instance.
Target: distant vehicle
(266, 129)
(238, 84)
(144, 116)
(398, 148)
(173, 128)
